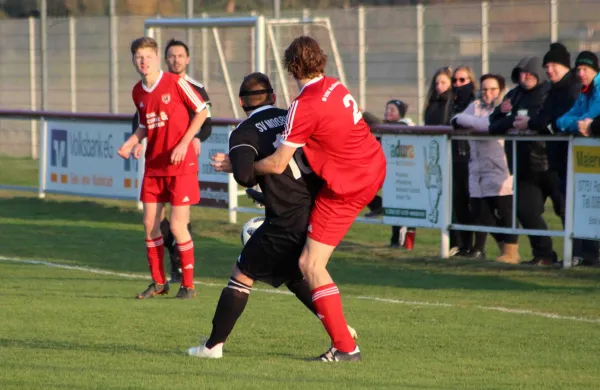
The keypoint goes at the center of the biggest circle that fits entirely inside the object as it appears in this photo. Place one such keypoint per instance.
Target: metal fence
(387, 52)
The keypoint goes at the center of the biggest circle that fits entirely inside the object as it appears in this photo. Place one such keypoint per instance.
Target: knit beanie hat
(402, 107)
(587, 58)
(558, 54)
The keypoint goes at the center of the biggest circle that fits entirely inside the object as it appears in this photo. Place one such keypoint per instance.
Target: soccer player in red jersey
(171, 172)
(325, 121)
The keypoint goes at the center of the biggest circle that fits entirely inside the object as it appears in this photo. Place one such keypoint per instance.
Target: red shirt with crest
(163, 111)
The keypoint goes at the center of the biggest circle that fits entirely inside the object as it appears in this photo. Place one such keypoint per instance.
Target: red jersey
(325, 121)
(164, 111)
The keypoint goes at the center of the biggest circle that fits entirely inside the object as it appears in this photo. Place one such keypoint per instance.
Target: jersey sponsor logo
(166, 98)
(329, 91)
(59, 149)
(271, 123)
(153, 121)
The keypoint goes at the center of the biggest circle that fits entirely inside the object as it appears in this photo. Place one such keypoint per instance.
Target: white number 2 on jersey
(349, 101)
(296, 163)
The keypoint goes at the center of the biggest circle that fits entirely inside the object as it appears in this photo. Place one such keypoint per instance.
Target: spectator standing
(490, 182)
(535, 183)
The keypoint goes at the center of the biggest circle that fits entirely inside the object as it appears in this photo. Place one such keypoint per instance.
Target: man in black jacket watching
(563, 93)
(535, 181)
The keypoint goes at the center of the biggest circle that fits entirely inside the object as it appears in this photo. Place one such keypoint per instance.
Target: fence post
(34, 130)
(261, 45)
(446, 200)
(232, 192)
(189, 33)
(485, 7)
(569, 204)
(553, 21)
(72, 64)
(420, 62)
(305, 27)
(362, 63)
(43, 163)
(44, 52)
(205, 54)
(113, 71)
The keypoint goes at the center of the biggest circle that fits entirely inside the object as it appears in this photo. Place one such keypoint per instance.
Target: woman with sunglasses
(464, 87)
(490, 182)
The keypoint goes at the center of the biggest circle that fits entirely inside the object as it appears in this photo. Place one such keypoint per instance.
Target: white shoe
(353, 332)
(201, 351)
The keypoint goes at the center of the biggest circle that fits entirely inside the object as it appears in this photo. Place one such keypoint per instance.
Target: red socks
(155, 251)
(329, 310)
(186, 254)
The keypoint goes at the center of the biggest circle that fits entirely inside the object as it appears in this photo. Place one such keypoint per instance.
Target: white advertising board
(213, 184)
(414, 184)
(81, 159)
(586, 188)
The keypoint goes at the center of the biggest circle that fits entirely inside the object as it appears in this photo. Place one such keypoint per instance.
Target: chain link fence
(400, 53)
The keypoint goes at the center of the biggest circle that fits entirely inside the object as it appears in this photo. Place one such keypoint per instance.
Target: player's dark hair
(304, 58)
(174, 42)
(256, 91)
(142, 43)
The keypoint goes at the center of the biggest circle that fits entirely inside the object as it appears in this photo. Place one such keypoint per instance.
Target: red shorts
(332, 215)
(176, 190)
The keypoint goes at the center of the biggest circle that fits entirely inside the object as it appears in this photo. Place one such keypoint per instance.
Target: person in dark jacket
(561, 98)
(535, 181)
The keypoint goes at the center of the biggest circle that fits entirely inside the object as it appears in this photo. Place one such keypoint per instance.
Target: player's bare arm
(275, 163)
(178, 154)
(125, 149)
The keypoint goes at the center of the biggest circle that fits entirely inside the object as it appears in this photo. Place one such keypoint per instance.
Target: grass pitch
(423, 322)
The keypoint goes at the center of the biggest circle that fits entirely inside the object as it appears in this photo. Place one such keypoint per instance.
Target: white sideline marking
(283, 292)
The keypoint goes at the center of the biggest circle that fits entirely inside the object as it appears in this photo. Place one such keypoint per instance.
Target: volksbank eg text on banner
(214, 185)
(414, 184)
(82, 159)
(586, 188)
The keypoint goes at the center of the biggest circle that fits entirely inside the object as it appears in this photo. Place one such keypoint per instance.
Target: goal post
(263, 36)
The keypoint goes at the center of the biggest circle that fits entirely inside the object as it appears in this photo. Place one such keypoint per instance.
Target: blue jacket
(585, 107)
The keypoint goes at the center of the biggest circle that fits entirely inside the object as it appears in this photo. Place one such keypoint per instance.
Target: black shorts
(272, 256)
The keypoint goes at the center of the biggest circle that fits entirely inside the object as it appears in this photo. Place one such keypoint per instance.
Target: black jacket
(439, 109)
(595, 127)
(560, 99)
(532, 157)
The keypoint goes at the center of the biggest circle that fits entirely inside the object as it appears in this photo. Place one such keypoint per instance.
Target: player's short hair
(143, 43)
(174, 42)
(304, 58)
(256, 91)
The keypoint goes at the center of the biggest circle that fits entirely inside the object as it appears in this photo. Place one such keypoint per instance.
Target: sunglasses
(461, 79)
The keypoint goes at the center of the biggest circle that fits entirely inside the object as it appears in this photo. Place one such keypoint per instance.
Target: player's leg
(155, 251)
(230, 307)
(330, 220)
(183, 192)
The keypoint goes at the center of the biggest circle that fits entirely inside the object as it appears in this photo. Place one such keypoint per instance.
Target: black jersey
(206, 129)
(288, 196)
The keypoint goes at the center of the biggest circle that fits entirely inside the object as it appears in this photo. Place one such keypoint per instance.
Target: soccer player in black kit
(177, 57)
(271, 255)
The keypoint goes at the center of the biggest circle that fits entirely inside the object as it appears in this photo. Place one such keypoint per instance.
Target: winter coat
(439, 109)
(532, 157)
(488, 170)
(586, 106)
(560, 100)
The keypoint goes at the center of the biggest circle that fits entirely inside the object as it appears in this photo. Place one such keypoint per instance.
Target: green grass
(438, 329)
(19, 171)
(424, 323)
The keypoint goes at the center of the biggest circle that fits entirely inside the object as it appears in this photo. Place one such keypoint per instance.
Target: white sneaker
(352, 332)
(201, 351)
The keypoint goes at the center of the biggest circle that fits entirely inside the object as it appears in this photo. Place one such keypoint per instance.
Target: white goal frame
(262, 29)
